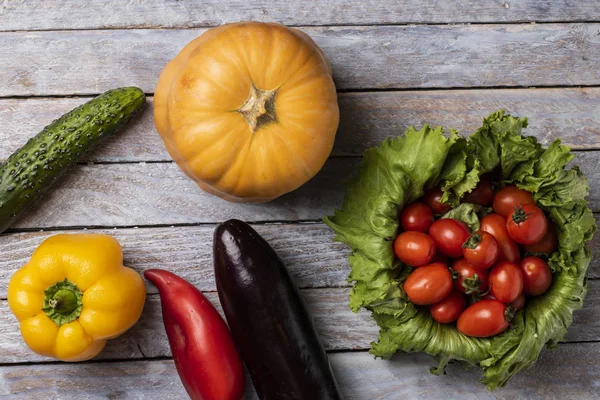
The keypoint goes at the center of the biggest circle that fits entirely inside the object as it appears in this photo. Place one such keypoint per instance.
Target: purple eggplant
(268, 319)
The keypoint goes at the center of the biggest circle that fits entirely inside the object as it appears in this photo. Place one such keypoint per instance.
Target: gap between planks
(304, 25)
(339, 91)
(91, 95)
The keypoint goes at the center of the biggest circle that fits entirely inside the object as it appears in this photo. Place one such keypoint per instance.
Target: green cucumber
(30, 171)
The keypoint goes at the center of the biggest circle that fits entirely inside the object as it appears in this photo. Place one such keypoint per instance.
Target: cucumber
(30, 171)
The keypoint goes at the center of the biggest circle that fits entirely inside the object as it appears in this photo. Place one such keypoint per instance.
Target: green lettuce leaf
(390, 176)
(397, 173)
(467, 213)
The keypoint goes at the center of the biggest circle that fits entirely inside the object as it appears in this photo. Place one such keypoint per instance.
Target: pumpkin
(248, 110)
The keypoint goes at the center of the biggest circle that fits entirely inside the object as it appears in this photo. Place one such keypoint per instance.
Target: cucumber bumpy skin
(30, 171)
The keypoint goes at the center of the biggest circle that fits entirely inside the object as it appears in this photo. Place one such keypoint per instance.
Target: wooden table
(396, 63)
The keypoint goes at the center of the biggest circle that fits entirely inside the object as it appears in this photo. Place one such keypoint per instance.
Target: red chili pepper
(204, 353)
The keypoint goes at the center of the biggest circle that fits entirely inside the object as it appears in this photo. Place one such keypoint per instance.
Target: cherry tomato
(547, 244)
(537, 276)
(519, 303)
(507, 198)
(527, 225)
(429, 284)
(506, 281)
(416, 217)
(483, 319)
(469, 279)
(483, 193)
(414, 248)
(495, 225)
(449, 236)
(481, 250)
(432, 198)
(449, 309)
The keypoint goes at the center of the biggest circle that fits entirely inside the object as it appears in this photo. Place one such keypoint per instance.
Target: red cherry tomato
(537, 276)
(469, 279)
(481, 250)
(433, 199)
(483, 193)
(429, 284)
(495, 225)
(547, 245)
(414, 248)
(416, 217)
(483, 319)
(449, 236)
(506, 281)
(519, 303)
(507, 198)
(449, 309)
(527, 225)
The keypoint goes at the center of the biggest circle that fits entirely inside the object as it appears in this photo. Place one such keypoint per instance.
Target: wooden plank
(366, 119)
(382, 57)
(359, 376)
(571, 115)
(159, 193)
(96, 14)
(311, 255)
(589, 162)
(339, 328)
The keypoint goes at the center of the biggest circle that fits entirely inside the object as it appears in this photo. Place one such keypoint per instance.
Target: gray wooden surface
(396, 63)
(98, 14)
(363, 57)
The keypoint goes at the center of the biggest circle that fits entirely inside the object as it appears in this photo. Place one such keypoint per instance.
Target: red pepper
(204, 353)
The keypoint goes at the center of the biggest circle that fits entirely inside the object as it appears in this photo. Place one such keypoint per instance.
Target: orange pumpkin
(248, 110)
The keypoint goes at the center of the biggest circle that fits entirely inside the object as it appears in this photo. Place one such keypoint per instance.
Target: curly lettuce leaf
(396, 174)
(467, 213)
(390, 176)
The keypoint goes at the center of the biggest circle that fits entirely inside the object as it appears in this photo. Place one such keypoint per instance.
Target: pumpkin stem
(259, 109)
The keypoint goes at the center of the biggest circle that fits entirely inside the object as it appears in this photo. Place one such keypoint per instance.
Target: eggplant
(268, 319)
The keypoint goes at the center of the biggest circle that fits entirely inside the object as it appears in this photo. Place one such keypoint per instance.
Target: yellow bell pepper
(75, 294)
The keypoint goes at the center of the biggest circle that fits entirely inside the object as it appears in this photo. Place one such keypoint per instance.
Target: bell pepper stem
(63, 302)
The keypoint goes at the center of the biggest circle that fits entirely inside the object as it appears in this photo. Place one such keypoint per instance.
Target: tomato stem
(472, 242)
(472, 284)
(510, 313)
(520, 215)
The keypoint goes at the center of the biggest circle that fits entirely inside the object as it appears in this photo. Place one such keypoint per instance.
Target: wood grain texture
(382, 57)
(159, 193)
(312, 257)
(338, 327)
(45, 15)
(359, 376)
(366, 119)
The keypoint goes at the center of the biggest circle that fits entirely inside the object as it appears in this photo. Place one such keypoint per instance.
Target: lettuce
(397, 173)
